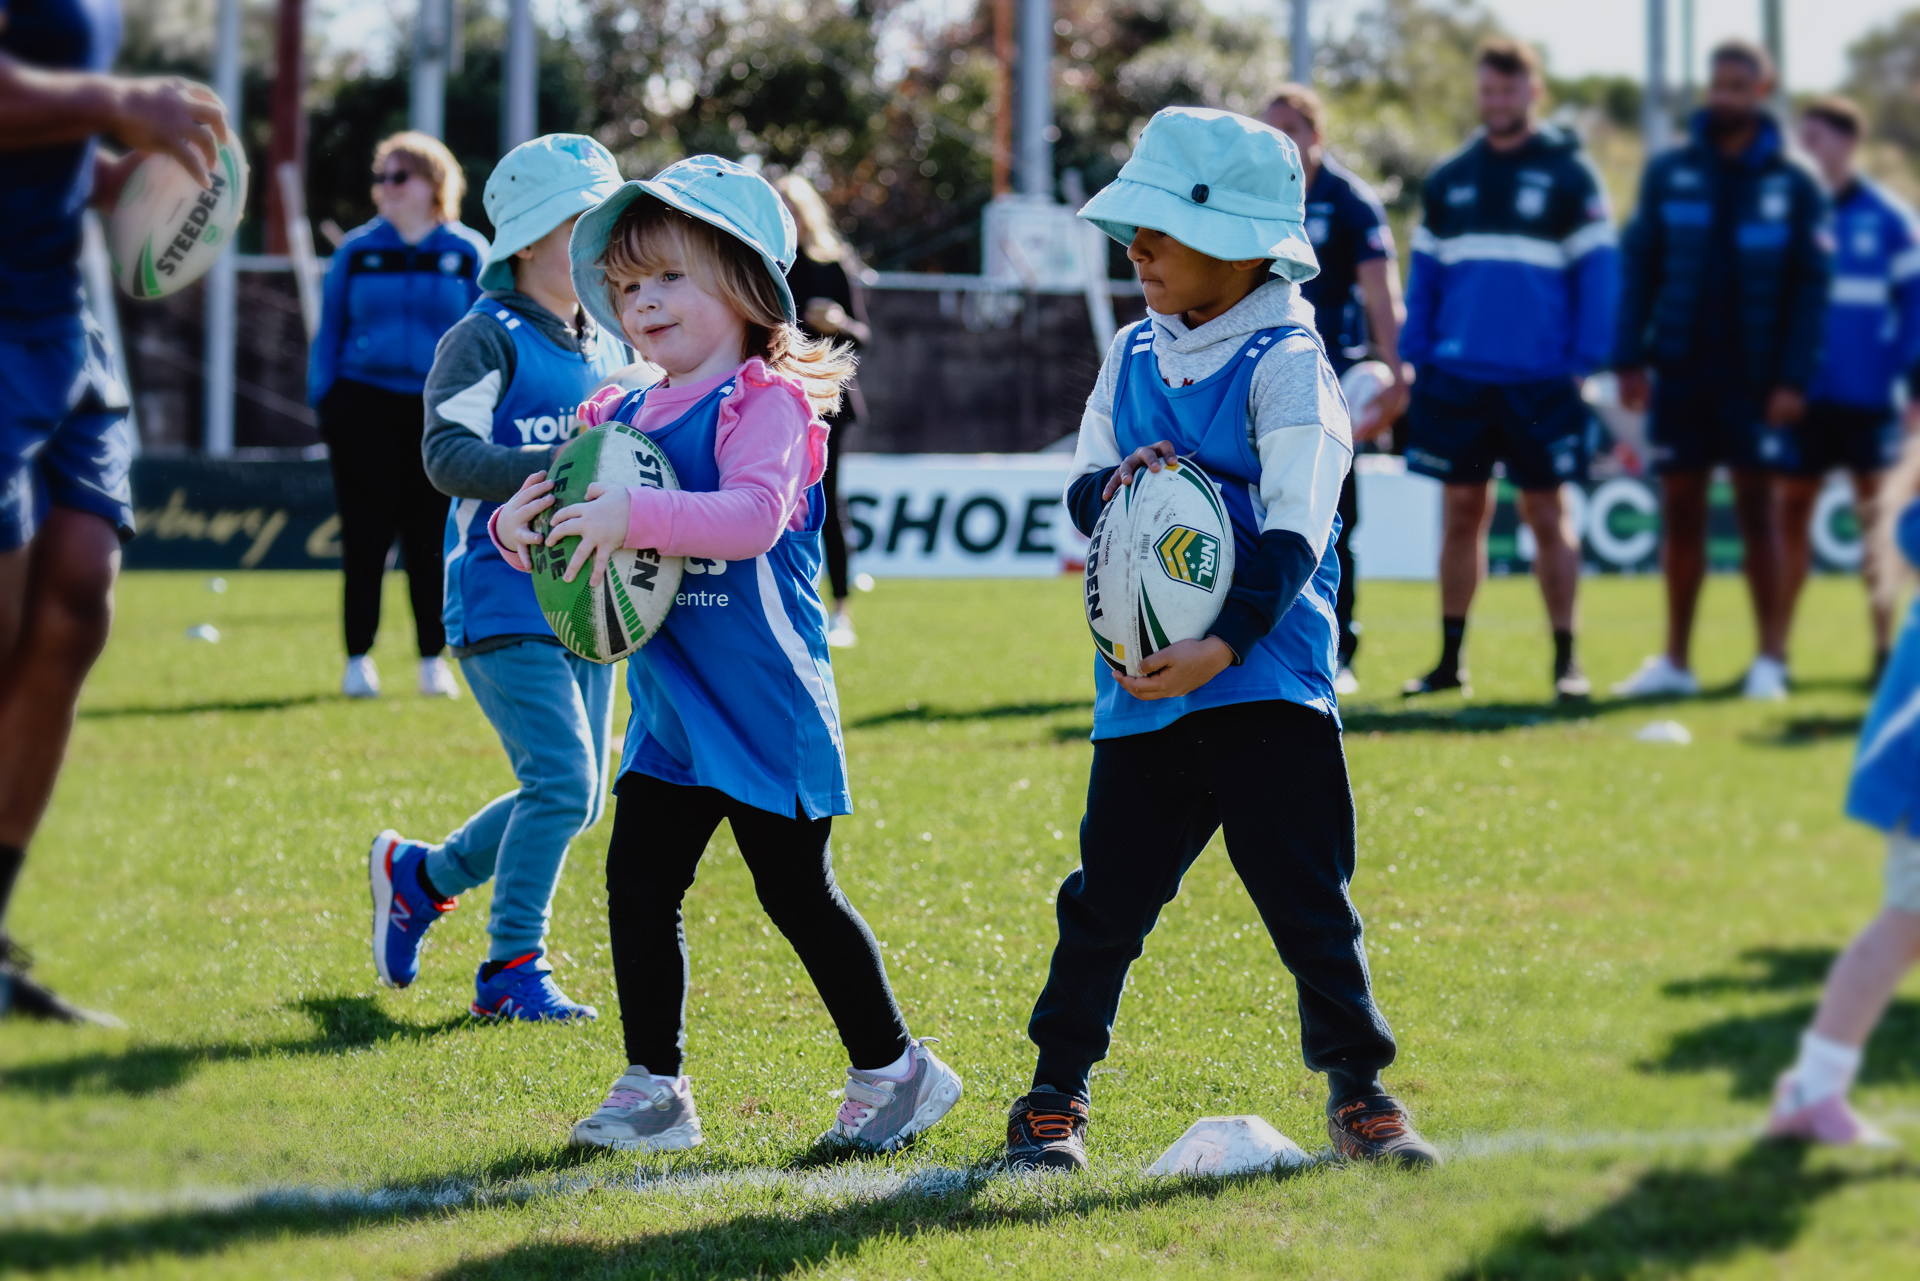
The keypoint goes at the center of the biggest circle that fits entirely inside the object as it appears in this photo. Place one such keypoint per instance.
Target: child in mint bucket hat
(500, 402)
(1240, 730)
(735, 716)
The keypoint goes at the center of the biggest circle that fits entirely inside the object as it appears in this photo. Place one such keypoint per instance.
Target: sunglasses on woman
(393, 178)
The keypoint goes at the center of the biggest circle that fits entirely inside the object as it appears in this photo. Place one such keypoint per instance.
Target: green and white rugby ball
(1160, 565)
(604, 624)
(167, 229)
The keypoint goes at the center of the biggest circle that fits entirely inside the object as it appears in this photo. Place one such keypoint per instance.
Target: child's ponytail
(649, 234)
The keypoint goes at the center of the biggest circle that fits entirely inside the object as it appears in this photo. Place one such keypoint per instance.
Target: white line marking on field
(851, 1183)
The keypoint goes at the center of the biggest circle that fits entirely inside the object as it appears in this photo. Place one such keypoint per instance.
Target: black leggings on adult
(660, 830)
(381, 488)
(833, 530)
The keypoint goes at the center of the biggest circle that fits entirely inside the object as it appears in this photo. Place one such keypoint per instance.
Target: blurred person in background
(1510, 303)
(1723, 305)
(1356, 308)
(65, 501)
(824, 279)
(1873, 338)
(396, 285)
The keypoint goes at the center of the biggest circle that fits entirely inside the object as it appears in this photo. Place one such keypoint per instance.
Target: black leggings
(833, 531)
(381, 488)
(660, 830)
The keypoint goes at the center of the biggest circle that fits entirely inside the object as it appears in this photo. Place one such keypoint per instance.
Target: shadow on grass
(1778, 969)
(341, 1023)
(193, 709)
(1672, 1221)
(1803, 731)
(1754, 1048)
(915, 713)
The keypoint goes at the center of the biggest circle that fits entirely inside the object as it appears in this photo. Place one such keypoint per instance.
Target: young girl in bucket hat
(500, 401)
(1240, 730)
(735, 715)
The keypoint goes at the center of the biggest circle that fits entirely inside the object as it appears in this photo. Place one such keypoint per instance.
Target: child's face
(543, 270)
(1182, 281)
(678, 326)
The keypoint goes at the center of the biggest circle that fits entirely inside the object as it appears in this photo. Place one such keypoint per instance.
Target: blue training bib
(1207, 422)
(735, 692)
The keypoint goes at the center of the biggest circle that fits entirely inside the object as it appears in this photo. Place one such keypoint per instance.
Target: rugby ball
(1159, 566)
(604, 624)
(167, 229)
(1362, 385)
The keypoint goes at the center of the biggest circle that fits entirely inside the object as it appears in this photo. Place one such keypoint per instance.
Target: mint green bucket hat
(536, 187)
(1217, 182)
(717, 191)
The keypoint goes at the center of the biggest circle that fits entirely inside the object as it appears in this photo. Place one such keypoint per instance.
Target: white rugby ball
(1362, 385)
(1160, 564)
(167, 229)
(604, 624)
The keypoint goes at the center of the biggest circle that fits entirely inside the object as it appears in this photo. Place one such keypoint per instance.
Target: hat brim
(523, 229)
(1123, 207)
(596, 225)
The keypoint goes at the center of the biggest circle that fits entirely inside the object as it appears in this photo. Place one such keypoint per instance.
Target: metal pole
(1300, 42)
(427, 106)
(1690, 89)
(217, 433)
(1036, 98)
(1654, 119)
(289, 144)
(518, 105)
(1773, 34)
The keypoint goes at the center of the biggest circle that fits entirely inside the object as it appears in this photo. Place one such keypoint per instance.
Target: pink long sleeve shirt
(770, 447)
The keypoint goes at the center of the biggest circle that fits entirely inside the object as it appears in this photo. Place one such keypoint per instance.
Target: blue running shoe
(524, 989)
(402, 911)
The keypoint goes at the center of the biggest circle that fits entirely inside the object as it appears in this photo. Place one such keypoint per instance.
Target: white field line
(852, 1183)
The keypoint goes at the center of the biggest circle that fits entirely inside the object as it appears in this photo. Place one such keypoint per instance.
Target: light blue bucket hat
(536, 187)
(1217, 182)
(717, 191)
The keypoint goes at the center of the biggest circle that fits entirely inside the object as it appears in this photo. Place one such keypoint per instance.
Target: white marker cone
(1221, 1145)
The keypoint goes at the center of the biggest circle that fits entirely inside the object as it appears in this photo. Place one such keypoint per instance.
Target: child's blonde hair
(650, 236)
(1887, 569)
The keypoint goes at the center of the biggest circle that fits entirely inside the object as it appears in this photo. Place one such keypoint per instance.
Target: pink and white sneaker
(643, 1114)
(881, 1115)
(1831, 1120)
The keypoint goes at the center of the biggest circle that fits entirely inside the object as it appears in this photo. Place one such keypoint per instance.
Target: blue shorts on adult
(1457, 429)
(1831, 436)
(63, 434)
(1699, 422)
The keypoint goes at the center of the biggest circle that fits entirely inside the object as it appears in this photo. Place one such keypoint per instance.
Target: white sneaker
(840, 631)
(362, 679)
(643, 1113)
(436, 679)
(1345, 682)
(881, 1115)
(1659, 678)
(1766, 680)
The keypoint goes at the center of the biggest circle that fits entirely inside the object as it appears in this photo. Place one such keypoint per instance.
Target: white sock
(1825, 1068)
(898, 1070)
(653, 1078)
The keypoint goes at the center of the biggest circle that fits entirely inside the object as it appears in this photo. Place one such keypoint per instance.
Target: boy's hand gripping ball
(166, 229)
(605, 624)
(1160, 564)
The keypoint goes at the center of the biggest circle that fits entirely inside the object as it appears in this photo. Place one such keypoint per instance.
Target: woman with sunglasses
(397, 283)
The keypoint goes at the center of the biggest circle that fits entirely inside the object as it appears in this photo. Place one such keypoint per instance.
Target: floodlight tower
(1300, 42)
(1655, 115)
(519, 104)
(432, 40)
(1036, 98)
(1773, 34)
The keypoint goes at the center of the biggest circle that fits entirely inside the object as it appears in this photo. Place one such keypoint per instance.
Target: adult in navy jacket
(396, 285)
(1873, 340)
(1510, 303)
(1725, 299)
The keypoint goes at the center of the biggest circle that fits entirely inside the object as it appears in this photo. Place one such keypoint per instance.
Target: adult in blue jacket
(1724, 296)
(1510, 303)
(1873, 340)
(396, 285)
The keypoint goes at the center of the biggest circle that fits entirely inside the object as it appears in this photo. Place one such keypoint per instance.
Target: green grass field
(1596, 953)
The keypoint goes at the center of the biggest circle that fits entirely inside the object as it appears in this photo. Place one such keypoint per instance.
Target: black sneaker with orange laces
(1377, 1128)
(1047, 1130)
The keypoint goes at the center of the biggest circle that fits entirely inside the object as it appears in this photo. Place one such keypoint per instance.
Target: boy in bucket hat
(500, 403)
(1240, 730)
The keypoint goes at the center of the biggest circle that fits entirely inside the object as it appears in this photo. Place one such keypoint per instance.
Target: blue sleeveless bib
(485, 596)
(1207, 422)
(735, 692)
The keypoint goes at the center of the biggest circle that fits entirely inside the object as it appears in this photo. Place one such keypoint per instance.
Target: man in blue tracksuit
(1509, 304)
(1873, 338)
(1724, 297)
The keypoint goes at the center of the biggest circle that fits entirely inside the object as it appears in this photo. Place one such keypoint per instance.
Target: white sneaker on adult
(1659, 678)
(362, 679)
(436, 679)
(840, 633)
(1766, 680)
(1345, 682)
